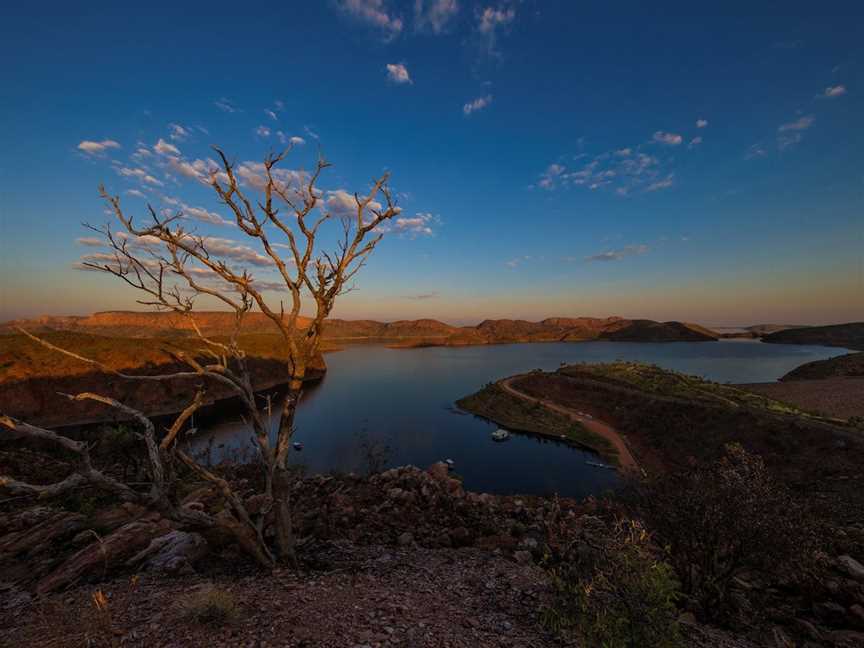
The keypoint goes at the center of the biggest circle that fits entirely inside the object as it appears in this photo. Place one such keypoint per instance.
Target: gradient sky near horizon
(657, 160)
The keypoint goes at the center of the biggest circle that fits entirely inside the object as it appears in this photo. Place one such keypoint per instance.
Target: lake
(403, 398)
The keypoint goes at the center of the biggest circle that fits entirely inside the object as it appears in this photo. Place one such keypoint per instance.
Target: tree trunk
(281, 475)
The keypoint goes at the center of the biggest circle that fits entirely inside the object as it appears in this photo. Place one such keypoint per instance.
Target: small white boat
(596, 464)
(450, 463)
(500, 435)
(297, 445)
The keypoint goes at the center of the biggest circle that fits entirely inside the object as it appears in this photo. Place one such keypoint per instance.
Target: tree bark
(281, 474)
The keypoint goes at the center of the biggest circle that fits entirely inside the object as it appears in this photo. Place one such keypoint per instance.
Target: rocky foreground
(404, 558)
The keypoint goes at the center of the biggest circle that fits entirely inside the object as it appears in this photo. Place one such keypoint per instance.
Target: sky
(667, 160)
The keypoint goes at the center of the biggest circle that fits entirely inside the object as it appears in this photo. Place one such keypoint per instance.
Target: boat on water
(297, 445)
(500, 435)
(597, 464)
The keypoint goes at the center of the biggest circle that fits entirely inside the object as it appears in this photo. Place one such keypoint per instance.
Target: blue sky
(552, 158)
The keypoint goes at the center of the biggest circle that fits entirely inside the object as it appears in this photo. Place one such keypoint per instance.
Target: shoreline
(626, 460)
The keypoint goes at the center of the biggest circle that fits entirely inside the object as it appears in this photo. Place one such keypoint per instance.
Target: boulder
(851, 567)
(439, 471)
(173, 553)
(405, 539)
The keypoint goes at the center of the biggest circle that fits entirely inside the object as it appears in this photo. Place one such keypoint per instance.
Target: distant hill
(421, 332)
(849, 365)
(765, 329)
(849, 336)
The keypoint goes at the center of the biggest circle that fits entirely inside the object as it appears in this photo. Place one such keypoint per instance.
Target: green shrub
(722, 519)
(610, 590)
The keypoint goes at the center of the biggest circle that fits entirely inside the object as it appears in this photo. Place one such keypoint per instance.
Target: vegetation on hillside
(520, 415)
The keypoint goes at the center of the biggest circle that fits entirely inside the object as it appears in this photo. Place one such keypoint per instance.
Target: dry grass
(209, 605)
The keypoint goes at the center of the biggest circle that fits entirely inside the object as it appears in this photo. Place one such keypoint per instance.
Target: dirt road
(625, 457)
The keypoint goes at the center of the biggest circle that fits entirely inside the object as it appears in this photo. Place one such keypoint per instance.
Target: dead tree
(172, 266)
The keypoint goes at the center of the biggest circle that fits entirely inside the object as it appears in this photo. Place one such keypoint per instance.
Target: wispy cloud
(622, 170)
(139, 174)
(834, 91)
(418, 225)
(434, 15)
(178, 132)
(423, 296)
(791, 133)
(226, 105)
(205, 216)
(293, 140)
(375, 14)
(398, 73)
(476, 104)
(272, 115)
(262, 131)
(90, 241)
(165, 148)
(619, 254)
(756, 151)
(670, 139)
(97, 148)
(802, 123)
(665, 183)
(491, 21)
(701, 123)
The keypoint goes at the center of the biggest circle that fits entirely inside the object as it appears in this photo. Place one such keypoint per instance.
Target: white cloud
(624, 152)
(670, 139)
(294, 140)
(756, 151)
(791, 133)
(802, 123)
(165, 148)
(617, 255)
(227, 248)
(271, 114)
(491, 19)
(375, 14)
(477, 104)
(835, 91)
(97, 148)
(665, 183)
(701, 123)
(90, 241)
(178, 133)
(200, 170)
(262, 131)
(434, 14)
(201, 214)
(696, 141)
(550, 176)
(418, 225)
(340, 203)
(140, 174)
(398, 73)
(135, 192)
(788, 140)
(226, 105)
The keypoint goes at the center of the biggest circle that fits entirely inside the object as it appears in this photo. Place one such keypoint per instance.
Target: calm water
(404, 398)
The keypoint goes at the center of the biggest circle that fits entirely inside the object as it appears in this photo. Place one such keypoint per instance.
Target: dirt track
(625, 457)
